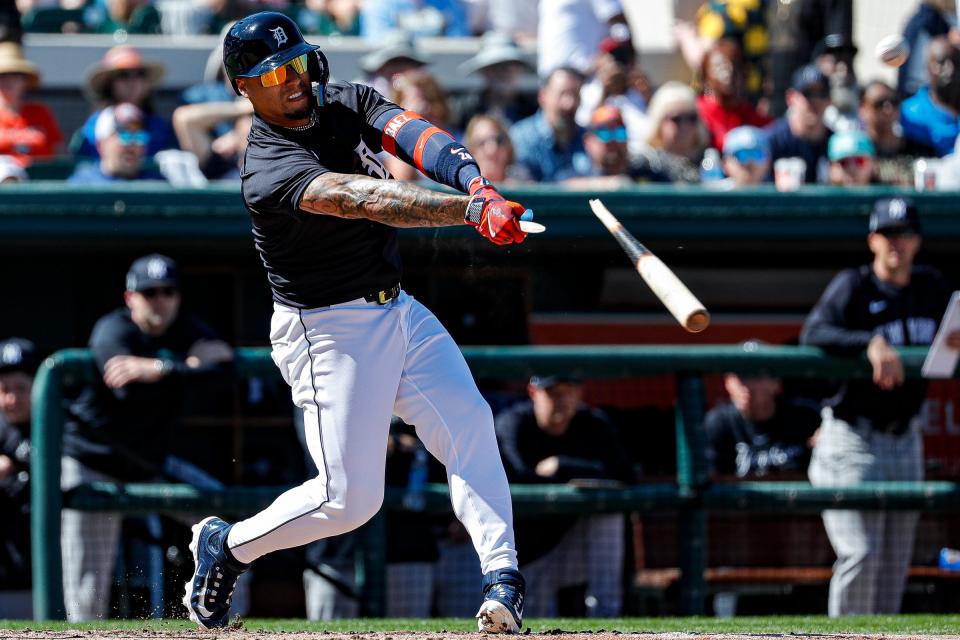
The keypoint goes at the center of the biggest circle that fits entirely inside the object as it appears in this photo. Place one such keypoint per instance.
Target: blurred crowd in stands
(771, 95)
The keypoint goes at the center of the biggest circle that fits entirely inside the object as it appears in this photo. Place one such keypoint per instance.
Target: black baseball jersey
(318, 260)
(590, 448)
(743, 447)
(128, 432)
(15, 508)
(857, 306)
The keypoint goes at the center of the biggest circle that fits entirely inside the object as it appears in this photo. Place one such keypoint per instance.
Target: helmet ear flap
(319, 71)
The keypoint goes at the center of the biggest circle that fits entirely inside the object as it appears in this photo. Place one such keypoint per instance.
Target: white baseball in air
(892, 50)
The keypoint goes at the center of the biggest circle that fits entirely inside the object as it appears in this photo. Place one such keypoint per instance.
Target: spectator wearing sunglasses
(802, 132)
(489, 142)
(124, 425)
(851, 155)
(930, 116)
(677, 137)
(746, 157)
(122, 143)
(123, 76)
(880, 119)
(606, 144)
(722, 104)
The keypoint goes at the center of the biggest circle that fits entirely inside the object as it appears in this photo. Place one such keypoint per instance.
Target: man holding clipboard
(871, 429)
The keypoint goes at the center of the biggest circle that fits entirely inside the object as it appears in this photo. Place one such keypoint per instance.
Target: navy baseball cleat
(208, 593)
(502, 609)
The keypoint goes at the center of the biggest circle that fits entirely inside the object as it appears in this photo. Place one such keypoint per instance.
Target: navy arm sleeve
(826, 326)
(410, 137)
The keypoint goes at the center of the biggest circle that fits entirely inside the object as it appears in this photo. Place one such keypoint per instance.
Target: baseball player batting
(352, 345)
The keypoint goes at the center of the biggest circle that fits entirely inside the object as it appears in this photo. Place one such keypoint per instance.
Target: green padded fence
(692, 495)
(216, 211)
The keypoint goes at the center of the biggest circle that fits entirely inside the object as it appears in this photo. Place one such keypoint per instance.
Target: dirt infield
(253, 634)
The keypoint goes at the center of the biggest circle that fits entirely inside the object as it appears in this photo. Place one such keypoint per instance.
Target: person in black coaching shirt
(124, 425)
(353, 346)
(871, 430)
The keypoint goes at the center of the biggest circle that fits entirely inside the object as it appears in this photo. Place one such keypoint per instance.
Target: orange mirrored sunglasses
(279, 75)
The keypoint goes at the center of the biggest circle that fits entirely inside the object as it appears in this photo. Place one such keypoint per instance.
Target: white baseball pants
(873, 548)
(351, 366)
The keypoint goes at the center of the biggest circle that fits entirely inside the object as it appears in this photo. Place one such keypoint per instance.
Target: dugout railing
(692, 495)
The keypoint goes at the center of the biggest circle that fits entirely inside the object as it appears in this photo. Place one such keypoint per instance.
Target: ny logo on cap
(279, 34)
(157, 269)
(898, 209)
(12, 354)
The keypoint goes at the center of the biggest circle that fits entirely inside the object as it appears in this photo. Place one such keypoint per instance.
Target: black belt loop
(384, 296)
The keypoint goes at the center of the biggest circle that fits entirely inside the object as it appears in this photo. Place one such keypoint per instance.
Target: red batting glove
(495, 218)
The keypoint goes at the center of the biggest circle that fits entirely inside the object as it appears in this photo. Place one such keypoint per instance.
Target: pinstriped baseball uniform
(868, 434)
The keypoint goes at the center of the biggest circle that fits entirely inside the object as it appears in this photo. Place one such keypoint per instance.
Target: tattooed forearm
(397, 204)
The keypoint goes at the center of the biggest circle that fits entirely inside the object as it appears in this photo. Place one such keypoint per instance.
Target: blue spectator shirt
(783, 144)
(380, 17)
(536, 149)
(161, 136)
(91, 173)
(928, 123)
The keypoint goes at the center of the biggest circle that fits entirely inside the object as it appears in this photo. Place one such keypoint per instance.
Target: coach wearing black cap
(554, 437)
(801, 133)
(871, 429)
(18, 364)
(124, 426)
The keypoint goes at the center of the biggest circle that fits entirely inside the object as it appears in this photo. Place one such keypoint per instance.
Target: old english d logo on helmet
(280, 35)
(264, 41)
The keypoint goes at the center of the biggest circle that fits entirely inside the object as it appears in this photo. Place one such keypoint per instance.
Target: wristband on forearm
(433, 151)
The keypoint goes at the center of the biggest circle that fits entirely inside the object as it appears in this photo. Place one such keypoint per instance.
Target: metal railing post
(692, 477)
(45, 437)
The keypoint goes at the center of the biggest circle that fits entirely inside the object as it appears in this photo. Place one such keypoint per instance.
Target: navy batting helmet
(264, 41)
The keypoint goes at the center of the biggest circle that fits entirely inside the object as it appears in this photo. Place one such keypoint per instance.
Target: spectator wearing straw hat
(397, 55)
(123, 76)
(501, 64)
(27, 129)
